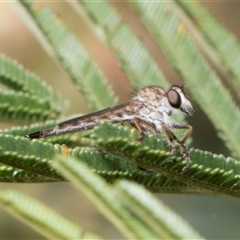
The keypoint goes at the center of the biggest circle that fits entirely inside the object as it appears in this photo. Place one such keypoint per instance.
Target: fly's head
(178, 99)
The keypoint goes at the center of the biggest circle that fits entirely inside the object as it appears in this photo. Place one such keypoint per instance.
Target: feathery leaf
(40, 217)
(105, 197)
(34, 156)
(209, 171)
(28, 155)
(15, 77)
(224, 43)
(154, 213)
(15, 175)
(201, 80)
(133, 57)
(22, 106)
(73, 58)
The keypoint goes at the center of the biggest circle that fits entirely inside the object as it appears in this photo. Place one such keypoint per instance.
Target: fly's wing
(115, 114)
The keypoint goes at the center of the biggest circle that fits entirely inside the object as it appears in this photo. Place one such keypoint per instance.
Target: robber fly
(150, 109)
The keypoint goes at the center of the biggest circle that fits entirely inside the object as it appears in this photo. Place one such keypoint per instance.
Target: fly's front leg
(182, 147)
(184, 126)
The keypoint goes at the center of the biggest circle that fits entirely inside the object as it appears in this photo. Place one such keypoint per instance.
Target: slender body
(149, 109)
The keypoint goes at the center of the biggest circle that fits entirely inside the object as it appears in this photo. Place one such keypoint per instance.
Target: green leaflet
(71, 140)
(73, 58)
(223, 41)
(10, 174)
(105, 197)
(210, 171)
(24, 82)
(158, 217)
(40, 217)
(133, 57)
(31, 156)
(201, 80)
(22, 106)
(24, 130)
(125, 204)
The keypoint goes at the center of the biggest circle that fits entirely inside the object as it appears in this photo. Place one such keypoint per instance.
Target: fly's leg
(138, 127)
(142, 125)
(172, 138)
(182, 147)
(184, 126)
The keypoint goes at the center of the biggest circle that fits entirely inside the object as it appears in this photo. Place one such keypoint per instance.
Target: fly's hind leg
(142, 126)
(172, 138)
(136, 124)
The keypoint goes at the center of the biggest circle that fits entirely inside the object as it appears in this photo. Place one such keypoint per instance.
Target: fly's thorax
(149, 95)
(153, 103)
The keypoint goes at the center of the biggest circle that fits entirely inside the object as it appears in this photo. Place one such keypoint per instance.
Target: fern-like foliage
(43, 219)
(125, 45)
(100, 162)
(152, 154)
(83, 71)
(28, 97)
(222, 41)
(116, 202)
(21, 153)
(179, 48)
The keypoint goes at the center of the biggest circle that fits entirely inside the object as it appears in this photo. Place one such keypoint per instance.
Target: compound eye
(174, 98)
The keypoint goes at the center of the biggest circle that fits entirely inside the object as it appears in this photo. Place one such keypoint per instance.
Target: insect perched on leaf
(150, 109)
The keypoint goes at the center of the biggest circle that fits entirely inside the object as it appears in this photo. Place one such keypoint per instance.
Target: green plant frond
(99, 161)
(73, 58)
(40, 217)
(32, 156)
(153, 181)
(162, 220)
(22, 106)
(207, 170)
(15, 175)
(201, 80)
(113, 167)
(24, 130)
(152, 153)
(15, 77)
(224, 42)
(71, 139)
(105, 198)
(133, 57)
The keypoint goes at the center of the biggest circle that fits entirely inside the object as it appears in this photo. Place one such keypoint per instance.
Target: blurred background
(213, 216)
